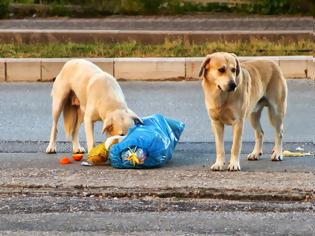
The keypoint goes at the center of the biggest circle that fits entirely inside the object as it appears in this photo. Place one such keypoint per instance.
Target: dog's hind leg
(57, 106)
(276, 118)
(276, 96)
(75, 135)
(259, 133)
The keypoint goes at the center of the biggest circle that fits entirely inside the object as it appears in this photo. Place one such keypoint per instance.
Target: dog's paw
(234, 166)
(51, 149)
(79, 150)
(254, 156)
(217, 166)
(277, 156)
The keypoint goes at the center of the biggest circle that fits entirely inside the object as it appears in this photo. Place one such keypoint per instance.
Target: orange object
(77, 157)
(65, 161)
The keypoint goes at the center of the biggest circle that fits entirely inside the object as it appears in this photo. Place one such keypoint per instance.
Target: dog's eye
(233, 70)
(222, 70)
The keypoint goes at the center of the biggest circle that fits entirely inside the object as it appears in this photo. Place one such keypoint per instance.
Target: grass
(176, 48)
(98, 8)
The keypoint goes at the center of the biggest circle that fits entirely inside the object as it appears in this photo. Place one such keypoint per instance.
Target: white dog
(86, 93)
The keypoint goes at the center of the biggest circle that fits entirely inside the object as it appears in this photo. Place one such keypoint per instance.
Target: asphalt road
(38, 196)
(148, 29)
(25, 113)
(160, 223)
(166, 23)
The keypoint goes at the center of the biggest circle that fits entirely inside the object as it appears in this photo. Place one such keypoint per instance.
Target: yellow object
(133, 158)
(287, 153)
(98, 155)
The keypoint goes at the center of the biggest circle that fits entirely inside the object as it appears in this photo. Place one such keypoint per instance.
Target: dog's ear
(237, 64)
(203, 65)
(107, 125)
(136, 119)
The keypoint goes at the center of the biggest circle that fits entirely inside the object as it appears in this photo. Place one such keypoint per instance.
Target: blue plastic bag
(153, 143)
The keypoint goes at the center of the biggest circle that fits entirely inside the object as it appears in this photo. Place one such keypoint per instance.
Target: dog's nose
(231, 86)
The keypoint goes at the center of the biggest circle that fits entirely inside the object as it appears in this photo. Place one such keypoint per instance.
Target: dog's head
(119, 121)
(222, 69)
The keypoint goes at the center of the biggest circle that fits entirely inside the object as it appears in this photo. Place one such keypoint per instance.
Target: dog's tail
(70, 118)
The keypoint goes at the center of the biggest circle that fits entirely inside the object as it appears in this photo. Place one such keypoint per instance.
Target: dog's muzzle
(231, 86)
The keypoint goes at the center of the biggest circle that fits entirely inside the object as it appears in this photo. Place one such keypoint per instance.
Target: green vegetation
(176, 48)
(4, 7)
(97, 8)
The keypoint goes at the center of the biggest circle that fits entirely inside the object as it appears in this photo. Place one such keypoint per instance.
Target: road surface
(166, 23)
(40, 197)
(25, 113)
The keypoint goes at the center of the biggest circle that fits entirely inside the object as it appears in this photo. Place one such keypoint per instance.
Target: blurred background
(51, 31)
(159, 28)
(99, 8)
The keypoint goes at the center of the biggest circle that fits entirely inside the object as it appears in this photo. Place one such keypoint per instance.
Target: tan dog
(234, 92)
(86, 93)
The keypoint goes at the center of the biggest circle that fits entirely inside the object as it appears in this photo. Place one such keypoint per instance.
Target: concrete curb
(143, 69)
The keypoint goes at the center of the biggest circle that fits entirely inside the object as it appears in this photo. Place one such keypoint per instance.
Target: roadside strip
(144, 36)
(143, 69)
(171, 184)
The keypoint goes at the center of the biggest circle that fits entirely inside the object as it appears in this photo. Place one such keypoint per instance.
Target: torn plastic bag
(149, 145)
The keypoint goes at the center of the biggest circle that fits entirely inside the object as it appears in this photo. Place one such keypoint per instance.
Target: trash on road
(300, 149)
(77, 157)
(65, 161)
(86, 163)
(287, 153)
(135, 156)
(146, 146)
(99, 154)
(149, 145)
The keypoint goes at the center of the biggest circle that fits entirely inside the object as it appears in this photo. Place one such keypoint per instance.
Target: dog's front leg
(236, 146)
(88, 125)
(218, 130)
